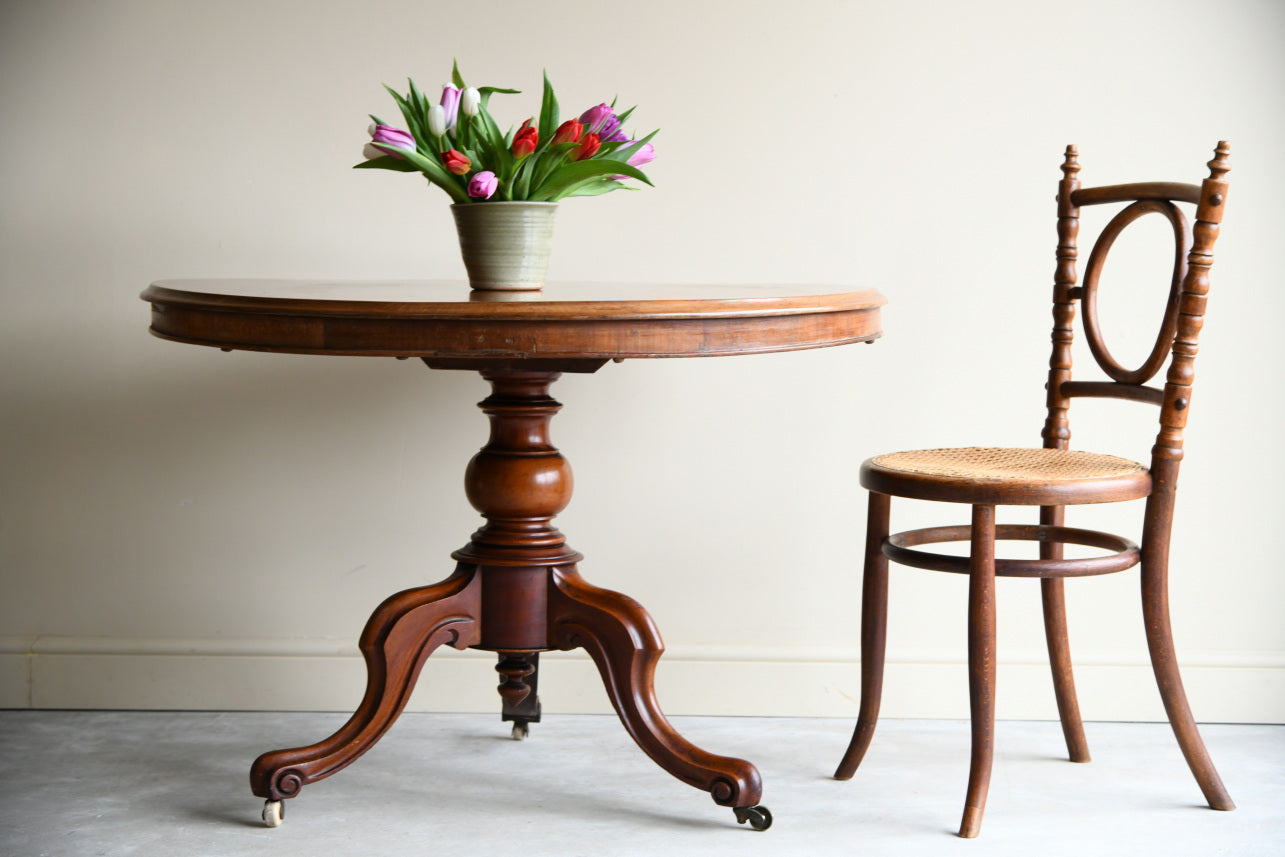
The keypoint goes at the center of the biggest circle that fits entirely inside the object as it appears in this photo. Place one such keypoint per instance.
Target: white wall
(183, 528)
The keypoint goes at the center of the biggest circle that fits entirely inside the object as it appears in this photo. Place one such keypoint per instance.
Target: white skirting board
(325, 675)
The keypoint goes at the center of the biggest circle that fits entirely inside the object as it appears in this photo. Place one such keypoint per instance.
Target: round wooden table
(516, 589)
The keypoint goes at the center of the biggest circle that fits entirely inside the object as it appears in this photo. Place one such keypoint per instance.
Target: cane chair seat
(1000, 476)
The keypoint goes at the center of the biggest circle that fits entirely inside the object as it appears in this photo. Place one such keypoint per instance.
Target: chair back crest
(1176, 343)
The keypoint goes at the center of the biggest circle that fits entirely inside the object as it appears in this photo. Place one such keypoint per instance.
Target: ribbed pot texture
(505, 245)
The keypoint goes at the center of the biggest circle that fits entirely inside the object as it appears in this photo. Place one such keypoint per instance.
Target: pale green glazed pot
(505, 245)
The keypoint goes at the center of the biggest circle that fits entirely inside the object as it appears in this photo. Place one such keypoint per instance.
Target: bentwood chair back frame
(1055, 476)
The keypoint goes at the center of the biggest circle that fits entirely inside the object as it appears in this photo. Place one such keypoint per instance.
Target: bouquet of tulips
(458, 146)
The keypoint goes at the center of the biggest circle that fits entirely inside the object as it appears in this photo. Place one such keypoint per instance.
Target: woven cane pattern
(990, 463)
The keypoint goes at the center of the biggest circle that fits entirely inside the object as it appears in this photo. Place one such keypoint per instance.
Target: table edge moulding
(439, 320)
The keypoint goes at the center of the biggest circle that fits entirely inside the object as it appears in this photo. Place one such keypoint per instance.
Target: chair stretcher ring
(1125, 554)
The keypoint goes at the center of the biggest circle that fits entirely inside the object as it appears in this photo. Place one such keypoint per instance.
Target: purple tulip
(601, 120)
(451, 104)
(387, 135)
(483, 185)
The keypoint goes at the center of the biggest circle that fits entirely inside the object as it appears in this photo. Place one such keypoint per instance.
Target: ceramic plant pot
(505, 245)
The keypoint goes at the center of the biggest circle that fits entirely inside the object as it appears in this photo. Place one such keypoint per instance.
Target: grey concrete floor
(175, 784)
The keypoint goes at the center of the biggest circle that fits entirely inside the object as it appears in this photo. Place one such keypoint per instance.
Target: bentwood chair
(1054, 477)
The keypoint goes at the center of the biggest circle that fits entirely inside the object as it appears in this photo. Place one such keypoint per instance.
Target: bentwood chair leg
(874, 637)
(1164, 661)
(1053, 596)
(981, 666)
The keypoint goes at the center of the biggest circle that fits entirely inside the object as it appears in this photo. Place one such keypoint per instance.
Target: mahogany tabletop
(578, 326)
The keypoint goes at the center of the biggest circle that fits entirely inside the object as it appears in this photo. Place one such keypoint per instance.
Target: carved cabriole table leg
(398, 639)
(623, 641)
(516, 592)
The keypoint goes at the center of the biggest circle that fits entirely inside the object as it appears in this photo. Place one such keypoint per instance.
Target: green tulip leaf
(387, 162)
(415, 98)
(554, 158)
(625, 151)
(409, 114)
(438, 175)
(548, 111)
(567, 178)
(597, 188)
(492, 133)
(521, 183)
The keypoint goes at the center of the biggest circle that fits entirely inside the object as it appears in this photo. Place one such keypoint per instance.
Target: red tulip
(588, 147)
(457, 162)
(568, 132)
(524, 142)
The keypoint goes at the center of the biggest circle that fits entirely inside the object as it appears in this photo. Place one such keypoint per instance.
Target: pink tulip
(645, 155)
(451, 104)
(483, 185)
(387, 135)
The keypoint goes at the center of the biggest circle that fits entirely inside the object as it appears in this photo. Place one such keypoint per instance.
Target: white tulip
(470, 101)
(437, 120)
